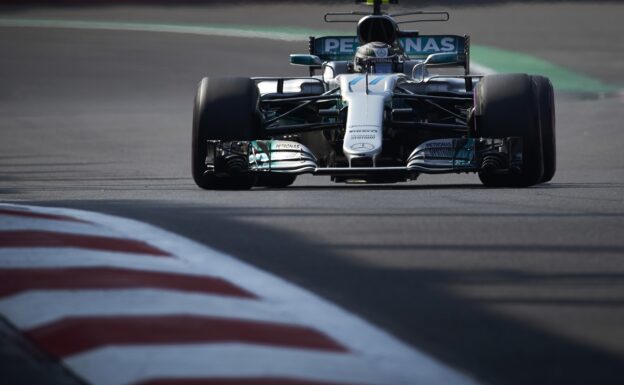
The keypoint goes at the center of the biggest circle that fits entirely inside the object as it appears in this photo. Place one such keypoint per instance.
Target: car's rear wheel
(546, 100)
(506, 106)
(225, 109)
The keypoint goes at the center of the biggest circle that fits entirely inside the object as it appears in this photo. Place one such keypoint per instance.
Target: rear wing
(334, 48)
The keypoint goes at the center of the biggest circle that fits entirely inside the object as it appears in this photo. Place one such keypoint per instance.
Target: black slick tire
(546, 101)
(506, 106)
(225, 109)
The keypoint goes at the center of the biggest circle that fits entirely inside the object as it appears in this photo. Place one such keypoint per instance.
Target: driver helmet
(375, 57)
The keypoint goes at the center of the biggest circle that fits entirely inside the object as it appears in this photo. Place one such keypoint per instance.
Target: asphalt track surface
(514, 286)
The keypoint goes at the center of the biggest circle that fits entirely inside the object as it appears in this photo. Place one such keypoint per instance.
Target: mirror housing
(305, 60)
(435, 59)
(442, 59)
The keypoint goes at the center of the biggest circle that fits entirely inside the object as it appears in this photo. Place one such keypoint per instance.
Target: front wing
(439, 156)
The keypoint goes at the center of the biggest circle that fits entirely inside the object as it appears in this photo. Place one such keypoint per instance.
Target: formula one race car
(373, 111)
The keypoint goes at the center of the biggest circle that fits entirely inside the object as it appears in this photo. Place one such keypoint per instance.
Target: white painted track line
(227, 360)
(47, 257)
(38, 307)
(22, 223)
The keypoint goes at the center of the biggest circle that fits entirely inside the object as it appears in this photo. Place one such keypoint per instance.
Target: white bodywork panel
(366, 100)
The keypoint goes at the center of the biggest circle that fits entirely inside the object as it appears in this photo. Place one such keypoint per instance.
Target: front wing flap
(439, 156)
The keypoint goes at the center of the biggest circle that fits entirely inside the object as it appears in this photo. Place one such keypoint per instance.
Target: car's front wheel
(506, 105)
(225, 109)
(546, 99)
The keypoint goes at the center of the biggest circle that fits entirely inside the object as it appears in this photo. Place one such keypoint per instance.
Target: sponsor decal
(372, 131)
(381, 52)
(340, 45)
(287, 146)
(363, 134)
(422, 45)
(362, 146)
(429, 45)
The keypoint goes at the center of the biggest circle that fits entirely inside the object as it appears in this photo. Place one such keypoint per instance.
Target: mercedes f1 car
(375, 108)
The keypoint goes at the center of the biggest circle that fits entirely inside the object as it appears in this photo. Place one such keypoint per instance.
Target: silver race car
(376, 108)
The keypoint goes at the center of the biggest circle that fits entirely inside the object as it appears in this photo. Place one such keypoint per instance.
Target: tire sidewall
(506, 106)
(225, 109)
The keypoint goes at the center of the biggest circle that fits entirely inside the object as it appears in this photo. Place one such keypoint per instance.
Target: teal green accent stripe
(496, 59)
(512, 62)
